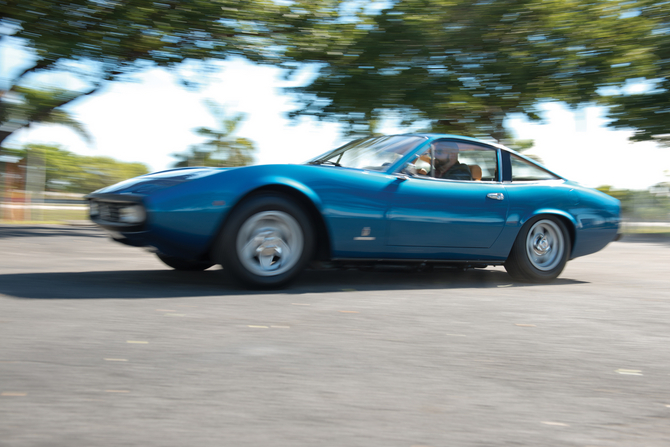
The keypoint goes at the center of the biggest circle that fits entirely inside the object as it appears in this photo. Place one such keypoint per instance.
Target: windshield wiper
(325, 162)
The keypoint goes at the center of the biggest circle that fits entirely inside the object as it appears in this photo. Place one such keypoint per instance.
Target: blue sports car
(416, 198)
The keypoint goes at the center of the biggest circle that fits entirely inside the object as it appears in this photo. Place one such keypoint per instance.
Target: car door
(433, 212)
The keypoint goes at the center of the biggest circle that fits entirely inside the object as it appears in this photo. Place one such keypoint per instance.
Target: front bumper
(109, 211)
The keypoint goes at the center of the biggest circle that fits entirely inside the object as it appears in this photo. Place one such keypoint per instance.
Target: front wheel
(267, 241)
(540, 252)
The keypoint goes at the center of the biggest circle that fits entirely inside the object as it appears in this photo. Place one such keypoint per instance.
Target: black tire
(540, 251)
(184, 264)
(266, 242)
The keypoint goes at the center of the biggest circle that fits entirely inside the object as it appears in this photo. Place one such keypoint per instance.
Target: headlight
(132, 214)
(94, 210)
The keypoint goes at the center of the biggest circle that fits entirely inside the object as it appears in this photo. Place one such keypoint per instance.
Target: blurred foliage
(25, 106)
(650, 205)
(101, 41)
(465, 65)
(222, 147)
(644, 56)
(460, 65)
(68, 172)
(522, 146)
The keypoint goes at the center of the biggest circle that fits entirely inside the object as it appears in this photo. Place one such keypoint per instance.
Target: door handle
(495, 195)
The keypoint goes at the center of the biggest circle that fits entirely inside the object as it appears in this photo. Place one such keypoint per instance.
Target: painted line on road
(11, 394)
(137, 342)
(630, 372)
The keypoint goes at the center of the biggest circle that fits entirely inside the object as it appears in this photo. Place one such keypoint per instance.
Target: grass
(42, 216)
(646, 230)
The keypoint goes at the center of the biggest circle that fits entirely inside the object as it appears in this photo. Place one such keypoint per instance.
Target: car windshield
(374, 153)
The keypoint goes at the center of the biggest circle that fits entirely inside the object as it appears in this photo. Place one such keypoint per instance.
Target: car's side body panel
(355, 209)
(368, 214)
(443, 213)
(184, 219)
(188, 218)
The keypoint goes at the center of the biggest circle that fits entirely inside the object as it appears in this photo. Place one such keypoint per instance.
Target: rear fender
(569, 221)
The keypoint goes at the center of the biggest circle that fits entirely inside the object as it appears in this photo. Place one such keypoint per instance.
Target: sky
(153, 117)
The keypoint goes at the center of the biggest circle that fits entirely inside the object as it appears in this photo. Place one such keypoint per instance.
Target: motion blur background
(96, 91)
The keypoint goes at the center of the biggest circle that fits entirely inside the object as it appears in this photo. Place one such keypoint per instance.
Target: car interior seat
(476, 172)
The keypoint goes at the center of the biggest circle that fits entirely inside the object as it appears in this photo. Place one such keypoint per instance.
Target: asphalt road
(100, 345)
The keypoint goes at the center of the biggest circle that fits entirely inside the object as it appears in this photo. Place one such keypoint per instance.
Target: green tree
(30, 105)
(69, 172)
(99, 172)
(99, 42)
(465, 66)
(222, 147)
(645, 57)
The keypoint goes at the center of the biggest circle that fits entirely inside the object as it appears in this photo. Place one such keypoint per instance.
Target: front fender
(275, 181)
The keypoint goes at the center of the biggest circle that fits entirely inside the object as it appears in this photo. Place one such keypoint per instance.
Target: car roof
(436, 136)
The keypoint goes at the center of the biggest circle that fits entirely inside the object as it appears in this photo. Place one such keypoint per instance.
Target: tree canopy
(459, 65)
(98, 41)
(464, 66)
(645, 56)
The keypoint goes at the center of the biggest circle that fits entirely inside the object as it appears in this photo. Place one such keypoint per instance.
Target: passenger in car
(446, 162)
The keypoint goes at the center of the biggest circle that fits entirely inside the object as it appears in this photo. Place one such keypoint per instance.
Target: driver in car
(446, 162)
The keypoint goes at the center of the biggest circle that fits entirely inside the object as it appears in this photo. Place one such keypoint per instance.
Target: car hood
(149, 183)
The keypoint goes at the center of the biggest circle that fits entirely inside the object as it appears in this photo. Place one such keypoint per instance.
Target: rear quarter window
(525, 171)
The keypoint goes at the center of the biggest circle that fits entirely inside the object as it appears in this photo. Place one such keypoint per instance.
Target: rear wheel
(541, 250)
(267, 241)
(184, 264)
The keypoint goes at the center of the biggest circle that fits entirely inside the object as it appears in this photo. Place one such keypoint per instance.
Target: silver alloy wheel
(270, 243)
(545, 245)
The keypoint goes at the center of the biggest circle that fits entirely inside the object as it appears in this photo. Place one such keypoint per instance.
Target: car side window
(525, 171)
(456, 160)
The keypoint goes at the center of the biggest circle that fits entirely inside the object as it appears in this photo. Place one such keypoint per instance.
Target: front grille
(109, 211)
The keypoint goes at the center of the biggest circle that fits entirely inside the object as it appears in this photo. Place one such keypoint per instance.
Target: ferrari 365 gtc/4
(417, 198)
